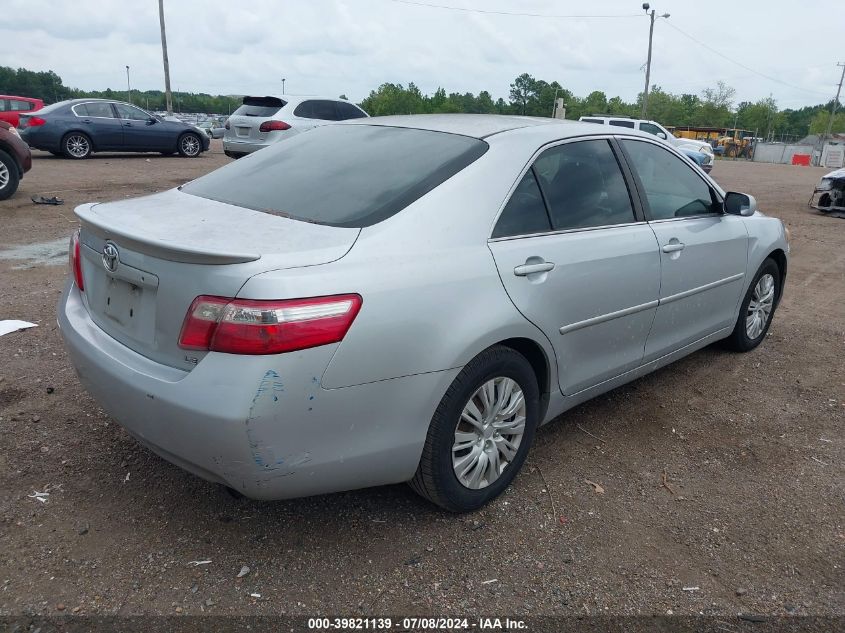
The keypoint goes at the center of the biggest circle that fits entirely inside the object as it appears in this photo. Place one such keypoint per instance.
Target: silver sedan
(405, 299)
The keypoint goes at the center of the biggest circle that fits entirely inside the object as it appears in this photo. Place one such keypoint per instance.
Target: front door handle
(530, 269)
(673, 247)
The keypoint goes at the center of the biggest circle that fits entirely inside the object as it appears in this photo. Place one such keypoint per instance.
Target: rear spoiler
(100, 226)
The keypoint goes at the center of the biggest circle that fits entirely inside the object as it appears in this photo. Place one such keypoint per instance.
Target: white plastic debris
(243, 572)
(197, 563)
(39, 496)
(12, 325)
(255, 595)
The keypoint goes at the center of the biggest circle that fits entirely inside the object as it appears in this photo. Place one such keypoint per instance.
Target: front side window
(584, 186)
(651, 128)
(131, 112)
(525, 213)
(672, 188)
(619, 123)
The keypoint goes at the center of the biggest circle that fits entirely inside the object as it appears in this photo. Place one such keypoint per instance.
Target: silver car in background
(406, 299)
(263, 121)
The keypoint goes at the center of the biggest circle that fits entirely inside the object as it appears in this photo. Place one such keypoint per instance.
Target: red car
(15, 160)
(12, 107)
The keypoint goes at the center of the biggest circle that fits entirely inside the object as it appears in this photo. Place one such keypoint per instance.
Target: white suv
(262, 121)
(653, 127)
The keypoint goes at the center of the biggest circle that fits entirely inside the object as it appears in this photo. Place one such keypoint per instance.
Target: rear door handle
(673, 247)
(86, 120)
(530, 269)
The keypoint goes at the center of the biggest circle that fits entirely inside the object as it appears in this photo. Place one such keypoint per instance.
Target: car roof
(296, 98)
(474, 125)
(482, 126)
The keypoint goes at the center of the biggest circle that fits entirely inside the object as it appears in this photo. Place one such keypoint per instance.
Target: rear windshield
(260, 106)
(341, 175)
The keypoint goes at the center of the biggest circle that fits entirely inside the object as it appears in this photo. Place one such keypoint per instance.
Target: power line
(510, 13)
(740, 64)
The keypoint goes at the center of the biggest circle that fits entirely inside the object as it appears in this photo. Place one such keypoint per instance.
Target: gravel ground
(750, 448)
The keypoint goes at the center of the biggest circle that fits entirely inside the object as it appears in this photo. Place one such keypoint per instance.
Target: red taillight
(271, 126)
(35, 121)
(246, 326)
(75, 261)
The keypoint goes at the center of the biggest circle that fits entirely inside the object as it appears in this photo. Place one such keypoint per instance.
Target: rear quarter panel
(432, 297)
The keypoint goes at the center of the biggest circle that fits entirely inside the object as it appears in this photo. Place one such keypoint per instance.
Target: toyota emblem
(110, 257)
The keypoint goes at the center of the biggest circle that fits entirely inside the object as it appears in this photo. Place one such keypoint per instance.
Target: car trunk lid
(145, 260)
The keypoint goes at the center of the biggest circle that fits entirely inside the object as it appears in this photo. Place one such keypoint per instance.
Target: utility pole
(651, 15)
(283, 85)
(167, 95)
(128, 86)
(835, 105)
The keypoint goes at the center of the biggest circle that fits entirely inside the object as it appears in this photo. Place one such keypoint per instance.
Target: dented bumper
(262, 425)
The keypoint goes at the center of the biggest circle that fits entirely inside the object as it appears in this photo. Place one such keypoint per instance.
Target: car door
(98, 121)
(140, 134)
(578, 260)
(703, 254)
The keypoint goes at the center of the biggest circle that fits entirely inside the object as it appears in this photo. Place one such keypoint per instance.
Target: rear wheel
(480, 433)
(9, 178)
(76, 145)
(190, 145)
(757, 309)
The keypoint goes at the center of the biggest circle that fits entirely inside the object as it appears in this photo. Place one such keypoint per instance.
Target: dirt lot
(751, 447)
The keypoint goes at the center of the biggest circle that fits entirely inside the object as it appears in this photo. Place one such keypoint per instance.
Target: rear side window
(341, 175)
(584, 186)
(4, 105)
(317, 109)
(101, 110)
(348, 111)
(619, 123)
(525, 213)
(260, 106)
(21, 106)
(593, 121)
(672, 187)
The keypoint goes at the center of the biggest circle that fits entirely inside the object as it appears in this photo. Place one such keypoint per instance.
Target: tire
(744, 338)
(234, 155)
(9, 176)
(77, 145)
(437, 477)
(190, 145)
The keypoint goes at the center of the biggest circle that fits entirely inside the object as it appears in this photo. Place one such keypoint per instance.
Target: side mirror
(740, 204)
(152, 121)
(661, 135)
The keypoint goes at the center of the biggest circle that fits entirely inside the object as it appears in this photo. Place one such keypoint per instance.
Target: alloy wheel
(489, 432)
(4, 175)
(190, 145)
(760, 306)
(78, 146)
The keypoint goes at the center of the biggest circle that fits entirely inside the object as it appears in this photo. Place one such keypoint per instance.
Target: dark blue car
(78, 127)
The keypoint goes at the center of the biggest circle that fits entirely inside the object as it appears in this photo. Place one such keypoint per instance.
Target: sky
(332, 47)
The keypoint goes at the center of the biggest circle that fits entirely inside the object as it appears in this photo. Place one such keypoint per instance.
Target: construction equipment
(729, 142)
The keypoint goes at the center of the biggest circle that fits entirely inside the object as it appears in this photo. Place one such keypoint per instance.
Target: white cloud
(351, 46)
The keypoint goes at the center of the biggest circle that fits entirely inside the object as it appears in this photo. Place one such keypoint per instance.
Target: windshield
(341, 175)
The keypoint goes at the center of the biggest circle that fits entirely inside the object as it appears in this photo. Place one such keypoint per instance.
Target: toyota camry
(406, 299)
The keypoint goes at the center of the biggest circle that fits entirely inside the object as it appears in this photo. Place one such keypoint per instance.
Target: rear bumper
(262, 425)
(242, 147)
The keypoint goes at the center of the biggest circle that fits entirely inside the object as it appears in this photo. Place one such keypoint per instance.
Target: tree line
(714, 107)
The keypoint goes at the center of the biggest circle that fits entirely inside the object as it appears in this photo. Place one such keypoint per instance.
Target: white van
(652, 127)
